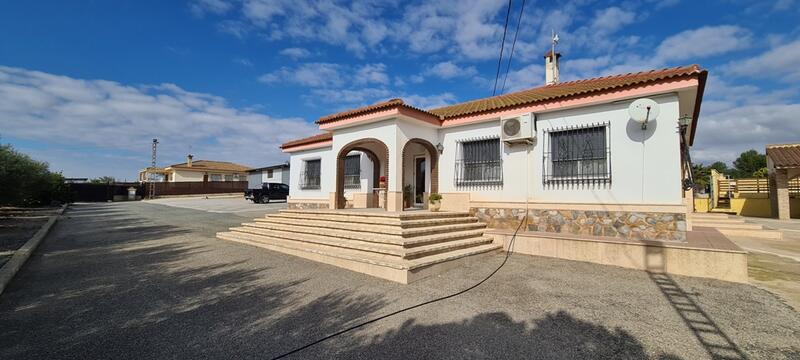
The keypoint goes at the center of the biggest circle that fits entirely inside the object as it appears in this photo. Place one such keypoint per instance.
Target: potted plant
(436, 202)
(408, 194)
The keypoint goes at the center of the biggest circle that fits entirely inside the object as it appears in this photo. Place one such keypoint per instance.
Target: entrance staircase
(731, 225)
(402, 246)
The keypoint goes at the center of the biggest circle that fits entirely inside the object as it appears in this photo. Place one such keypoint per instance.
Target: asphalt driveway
(223, 205)
(143, 281)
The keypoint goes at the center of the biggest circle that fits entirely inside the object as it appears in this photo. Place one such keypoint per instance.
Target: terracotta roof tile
(367, 109)
(211, 165)
(786, 155)
(560, 90)
(309, 140)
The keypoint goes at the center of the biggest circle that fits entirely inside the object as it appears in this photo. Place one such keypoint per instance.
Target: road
(142, 280)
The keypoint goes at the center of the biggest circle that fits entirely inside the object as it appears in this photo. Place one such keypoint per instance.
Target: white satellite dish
(643, 111)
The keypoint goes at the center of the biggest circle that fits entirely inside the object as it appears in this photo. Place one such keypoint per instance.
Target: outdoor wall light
(684, 121)
(440, 148)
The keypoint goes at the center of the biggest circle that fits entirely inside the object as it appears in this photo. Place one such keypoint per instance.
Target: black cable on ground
(508, 254)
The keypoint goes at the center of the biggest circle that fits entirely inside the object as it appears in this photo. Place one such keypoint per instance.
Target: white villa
(576, 148)
(580, 167)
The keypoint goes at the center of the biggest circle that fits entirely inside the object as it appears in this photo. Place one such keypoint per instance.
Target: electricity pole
(152, 184)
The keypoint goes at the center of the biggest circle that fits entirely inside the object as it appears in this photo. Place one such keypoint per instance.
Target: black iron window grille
(310, 176)
(352, 172)
(479, 162)
(577, 155)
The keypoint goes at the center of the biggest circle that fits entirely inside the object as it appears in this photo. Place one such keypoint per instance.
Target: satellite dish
(643, 111)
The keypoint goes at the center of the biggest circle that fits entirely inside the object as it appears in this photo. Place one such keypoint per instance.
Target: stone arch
(376, 151)
(434, 155)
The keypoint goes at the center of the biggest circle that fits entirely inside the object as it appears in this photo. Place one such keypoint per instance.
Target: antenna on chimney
(554, 37)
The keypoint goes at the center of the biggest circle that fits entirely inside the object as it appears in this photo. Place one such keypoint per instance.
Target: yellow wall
(751, 205)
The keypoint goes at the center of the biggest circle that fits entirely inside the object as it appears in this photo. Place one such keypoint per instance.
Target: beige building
(196, 171)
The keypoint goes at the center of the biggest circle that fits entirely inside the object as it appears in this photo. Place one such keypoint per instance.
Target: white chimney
(189, 160)
(551, 68)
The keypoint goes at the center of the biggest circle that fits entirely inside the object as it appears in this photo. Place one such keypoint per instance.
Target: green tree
(701, 175)
(760, 173)
(104, 180)
(748, 163)
(720, 166)
(27, 182)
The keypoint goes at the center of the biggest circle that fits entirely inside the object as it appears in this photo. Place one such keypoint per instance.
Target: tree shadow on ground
(496, 335)
(104, 289)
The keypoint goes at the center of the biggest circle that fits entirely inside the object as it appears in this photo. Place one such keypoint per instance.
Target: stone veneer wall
(621, 224)
(305, 206)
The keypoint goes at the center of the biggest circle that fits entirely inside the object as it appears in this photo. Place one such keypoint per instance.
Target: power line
(513, 45)
(502, 46)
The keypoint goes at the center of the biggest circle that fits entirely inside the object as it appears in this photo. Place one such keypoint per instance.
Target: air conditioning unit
(517, 129)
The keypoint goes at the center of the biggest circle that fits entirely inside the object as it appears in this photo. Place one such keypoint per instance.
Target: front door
(419, 180)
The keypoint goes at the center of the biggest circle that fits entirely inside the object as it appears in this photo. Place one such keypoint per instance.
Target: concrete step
(724, 225)
(373, 247)
(405, 215)
(395, 239)
(357, 256)
(719, 220)
(332, 251)
(376, 229)
(377, 220)
(752, 233)
(700, 215)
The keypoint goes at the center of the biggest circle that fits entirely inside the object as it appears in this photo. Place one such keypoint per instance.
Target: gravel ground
(17, 226)
(141, 280)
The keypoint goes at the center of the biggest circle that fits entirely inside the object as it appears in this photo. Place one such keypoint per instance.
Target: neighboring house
(269, 174)
(583, 167)
(196, 171)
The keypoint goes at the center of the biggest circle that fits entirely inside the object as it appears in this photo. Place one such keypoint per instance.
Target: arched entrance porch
(420, 171)
(378, 153)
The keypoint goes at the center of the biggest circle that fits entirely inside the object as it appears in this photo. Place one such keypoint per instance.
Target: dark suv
(268, 191)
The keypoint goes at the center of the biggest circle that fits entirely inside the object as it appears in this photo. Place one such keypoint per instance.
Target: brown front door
(205, 178)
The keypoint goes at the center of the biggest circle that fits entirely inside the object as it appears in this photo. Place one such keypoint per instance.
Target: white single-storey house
(196, 171)
(573, 156)
(268, 174)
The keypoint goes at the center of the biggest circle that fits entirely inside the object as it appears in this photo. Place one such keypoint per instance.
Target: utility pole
(152, 184)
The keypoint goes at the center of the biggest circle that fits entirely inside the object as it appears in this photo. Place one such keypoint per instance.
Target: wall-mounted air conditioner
(517, 129)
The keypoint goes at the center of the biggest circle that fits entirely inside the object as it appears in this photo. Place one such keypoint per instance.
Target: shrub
(27, 182)
(434, 197)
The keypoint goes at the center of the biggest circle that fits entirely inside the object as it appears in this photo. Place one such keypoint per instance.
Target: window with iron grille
(310, 176)
(352, 172)
(577, 155)
(479, 163)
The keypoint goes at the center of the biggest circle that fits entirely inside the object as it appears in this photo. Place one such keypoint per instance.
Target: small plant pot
(435, 205)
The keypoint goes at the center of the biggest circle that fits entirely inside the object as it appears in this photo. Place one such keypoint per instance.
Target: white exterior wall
(279, 175)
(327, 175)
(187, 176)
(385, 131)
(645, 165)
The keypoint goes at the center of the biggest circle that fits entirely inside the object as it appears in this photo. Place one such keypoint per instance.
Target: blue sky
(86, 85)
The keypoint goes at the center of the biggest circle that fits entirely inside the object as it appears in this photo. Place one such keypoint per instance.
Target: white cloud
(217, 7)
(243, 61)
(327, 75)
(371, 74)
(295, 53)
(308, 74)
(782, 62)
(450, 70)
(703, 42)
(101, 114)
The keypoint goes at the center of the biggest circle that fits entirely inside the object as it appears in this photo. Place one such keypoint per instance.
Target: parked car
(268, 191)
